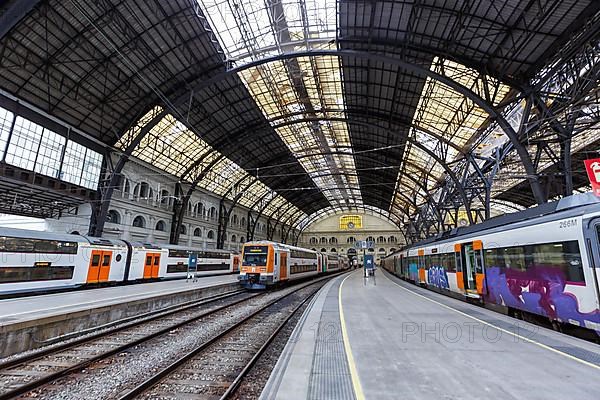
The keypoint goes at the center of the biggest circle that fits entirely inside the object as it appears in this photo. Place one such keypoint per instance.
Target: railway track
(26, 373)
(215, 368)
(216, 329)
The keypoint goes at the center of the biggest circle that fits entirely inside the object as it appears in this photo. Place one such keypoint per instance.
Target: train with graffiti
(266, 264)
(33, 261)
(543, 262)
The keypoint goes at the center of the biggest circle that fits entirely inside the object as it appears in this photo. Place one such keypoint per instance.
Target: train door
(236, 263)
(421, 266)
(460, 282)
(283, 265)
(473, 273)
(99, 267)
(155, 264)
(148, 266)
(592, 238)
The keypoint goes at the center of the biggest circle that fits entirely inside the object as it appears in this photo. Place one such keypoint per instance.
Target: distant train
(266, 264)
(544, 261)
(41, 261)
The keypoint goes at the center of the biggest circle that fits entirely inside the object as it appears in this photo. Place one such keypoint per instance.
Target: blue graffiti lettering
(437, 276)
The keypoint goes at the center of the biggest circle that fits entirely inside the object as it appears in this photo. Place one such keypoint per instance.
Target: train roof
(564, 208)
(29, 234)
(180, 247)
(283, 245)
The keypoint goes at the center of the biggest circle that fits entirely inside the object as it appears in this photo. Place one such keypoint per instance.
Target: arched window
(213, 212)
(323, 240)
(392, 239)
(233, 238)
(197, 232)
(313, 240)
(382, 250)
(323, 250)
(210, 235)
(113, 217)
(165, 198)
(242, 239)
(198, 209)
(139, 222)
(75, 233)
(243, 221)
(125, 187)
(392, 250)
(143, 191)
(313, 249)
(351, 239)
(380, 239)
(182, 230)
(161, 226)
(235, 219)
(333, 250)
(332, 240)
(370, 239)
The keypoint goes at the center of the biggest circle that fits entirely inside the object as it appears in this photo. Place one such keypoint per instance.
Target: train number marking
(567, 223)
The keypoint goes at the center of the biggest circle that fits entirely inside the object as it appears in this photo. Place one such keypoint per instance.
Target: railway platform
(392, 339)
(30, 322)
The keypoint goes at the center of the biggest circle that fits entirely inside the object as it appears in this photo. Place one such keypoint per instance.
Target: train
(543, 262)
(33, 261)
(267, 264)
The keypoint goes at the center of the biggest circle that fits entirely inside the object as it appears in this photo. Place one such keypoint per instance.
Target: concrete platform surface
(406, 342)
(31, 322)
(32, 307)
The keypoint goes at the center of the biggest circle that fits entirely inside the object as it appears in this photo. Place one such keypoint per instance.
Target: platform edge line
(546, 347)
(358, 392)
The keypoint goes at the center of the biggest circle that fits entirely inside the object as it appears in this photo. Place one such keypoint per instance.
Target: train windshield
(255, 255)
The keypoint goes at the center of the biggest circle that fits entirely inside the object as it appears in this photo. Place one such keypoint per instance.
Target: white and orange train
(544, 261)
(265, 264)
(33, 261)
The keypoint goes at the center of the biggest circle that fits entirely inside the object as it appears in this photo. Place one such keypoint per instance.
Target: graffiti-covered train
(266, 264)
(543, 261)
(33, 261)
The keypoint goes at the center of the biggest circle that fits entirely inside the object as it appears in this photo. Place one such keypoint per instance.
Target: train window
(255, 259)
(447, 261)
(119, 257)
(562, 255)
(28, 274)
(24, 245)
(178, 253)
(96, 260)
(494, 258)
(515, 258)
(148, 260)
(156, 260)
(106, 260)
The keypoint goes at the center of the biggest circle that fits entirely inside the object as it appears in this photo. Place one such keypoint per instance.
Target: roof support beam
(181, 205)
(107, 186)
(420, 70)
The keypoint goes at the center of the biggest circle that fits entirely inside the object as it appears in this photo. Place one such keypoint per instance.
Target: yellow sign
(351, 222)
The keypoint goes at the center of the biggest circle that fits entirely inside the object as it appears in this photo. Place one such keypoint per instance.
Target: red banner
(593, 171)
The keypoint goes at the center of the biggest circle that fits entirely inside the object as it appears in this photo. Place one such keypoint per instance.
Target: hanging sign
(593, 170)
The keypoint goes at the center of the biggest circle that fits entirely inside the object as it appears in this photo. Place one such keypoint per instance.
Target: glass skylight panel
(448, 114)
(276, 92)
(252, 29)
(302, 88)
(173, 148)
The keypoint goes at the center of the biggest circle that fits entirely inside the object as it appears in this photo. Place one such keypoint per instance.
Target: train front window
(255, 259)
(255, 256)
